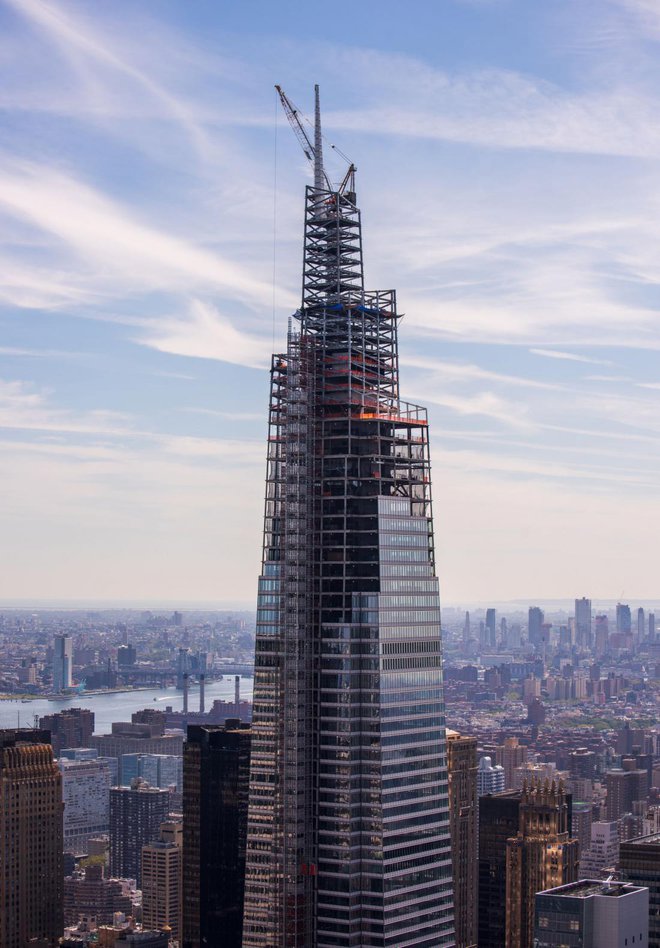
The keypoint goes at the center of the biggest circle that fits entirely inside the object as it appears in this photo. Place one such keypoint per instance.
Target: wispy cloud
(112, 241)
(569, 356)
(204, 333)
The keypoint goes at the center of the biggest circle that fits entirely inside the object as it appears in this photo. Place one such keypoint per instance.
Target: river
(119, 706)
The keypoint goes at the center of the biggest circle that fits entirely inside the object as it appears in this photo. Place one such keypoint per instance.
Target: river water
(119, 706)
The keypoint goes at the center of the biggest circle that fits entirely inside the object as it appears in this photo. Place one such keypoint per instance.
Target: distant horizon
(173, 605)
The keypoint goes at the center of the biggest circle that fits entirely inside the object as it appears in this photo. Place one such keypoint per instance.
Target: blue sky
(151, 195)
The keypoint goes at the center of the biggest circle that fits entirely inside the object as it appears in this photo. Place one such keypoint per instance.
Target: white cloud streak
(568, 356)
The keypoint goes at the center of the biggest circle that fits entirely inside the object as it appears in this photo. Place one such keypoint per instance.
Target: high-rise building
(216, 762)
(581, 821)
(592, 915)
(623, 618)
(463, 821)
(602, 635)
(31, 873)
(72, 727)
(583, 622)
(348, 829)
(652, 628)
(624, 787)
(159, 770)
(86, 795)
(162, 882)
(535, 619)
(582, 763)
(510, 755)
(541, 856)
(491, 628)
(639, 861)
(135, 817)
(499, 820)
(466, 629)
(62, 663)
(602, 857)
(129, 737)
(641, 625)
(489, 779)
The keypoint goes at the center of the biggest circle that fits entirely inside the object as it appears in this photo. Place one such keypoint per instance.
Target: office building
(216, 764)
(623, 619)
(624, 788)
(592, 915)
(162, 882)
(582, 763)
(489, 779)
(135, 817)
(602, 636)
(62, 663)
(463, 822)
(30, 840)
(72, 727)
(159, 770)
(581, 822)
(583, 623)
(126, 656)
(535, 621)
(348, 826)
(510, 755)
(641, 625)
(639, 862)
(602, 857)
(466, 630)
(652, 628)
(136, 738)
(86, 794)
(491, 629)
(499, 820)
(542, 855)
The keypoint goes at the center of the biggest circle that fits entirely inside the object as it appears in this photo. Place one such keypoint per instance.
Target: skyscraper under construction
(348, 835)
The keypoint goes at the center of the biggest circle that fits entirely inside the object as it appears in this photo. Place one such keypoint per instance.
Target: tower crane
(314, 152)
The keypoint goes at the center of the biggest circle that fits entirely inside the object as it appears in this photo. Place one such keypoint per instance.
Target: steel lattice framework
(348, 837)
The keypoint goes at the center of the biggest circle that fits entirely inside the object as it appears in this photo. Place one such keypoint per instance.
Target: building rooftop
(588, 888)
(652, 840)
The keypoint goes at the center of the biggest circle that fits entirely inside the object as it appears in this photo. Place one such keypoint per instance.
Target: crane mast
(314, 151)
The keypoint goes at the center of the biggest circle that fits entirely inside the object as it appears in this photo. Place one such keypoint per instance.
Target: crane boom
(314, 151)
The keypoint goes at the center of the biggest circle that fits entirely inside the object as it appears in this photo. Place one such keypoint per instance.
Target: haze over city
(508, 173)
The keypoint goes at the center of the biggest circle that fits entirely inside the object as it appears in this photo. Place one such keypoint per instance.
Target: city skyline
(511, 201)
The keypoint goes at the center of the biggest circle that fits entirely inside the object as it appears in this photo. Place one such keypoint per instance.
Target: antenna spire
(319, 174)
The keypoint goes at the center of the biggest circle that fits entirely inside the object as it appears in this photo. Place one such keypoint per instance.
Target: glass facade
(348, 835)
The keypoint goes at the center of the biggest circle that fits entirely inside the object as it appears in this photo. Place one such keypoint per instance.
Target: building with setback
(31, 872)
(463, 821)
(216, 766)
(348, 827)
(489, 779)
(592, 915)
(542, 855)
(135, 817)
